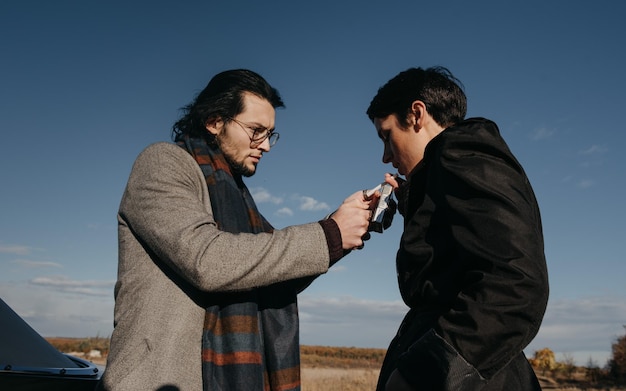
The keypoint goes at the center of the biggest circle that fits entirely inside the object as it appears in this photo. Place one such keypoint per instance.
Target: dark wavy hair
(441, 92)
(223, 98)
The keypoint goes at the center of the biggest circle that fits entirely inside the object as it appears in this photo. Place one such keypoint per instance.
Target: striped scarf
(250, 339)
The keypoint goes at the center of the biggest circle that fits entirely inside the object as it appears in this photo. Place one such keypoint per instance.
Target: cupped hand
(393, 180)
(353, 217)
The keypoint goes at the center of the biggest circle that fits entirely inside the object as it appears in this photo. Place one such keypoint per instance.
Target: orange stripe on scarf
(209, 355)
(240, 324)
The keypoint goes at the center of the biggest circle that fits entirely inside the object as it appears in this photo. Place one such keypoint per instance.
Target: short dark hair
(223, 98)
(440, 91)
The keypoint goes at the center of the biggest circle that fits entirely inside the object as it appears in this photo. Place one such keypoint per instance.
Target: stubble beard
(235, 166)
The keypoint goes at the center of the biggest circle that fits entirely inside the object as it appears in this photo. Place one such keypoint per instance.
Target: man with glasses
(207, 289)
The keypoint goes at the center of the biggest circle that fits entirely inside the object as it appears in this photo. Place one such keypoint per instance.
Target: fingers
(369, 195)
(365, 237)
(353, 217)
(394, 180)
(355, 214)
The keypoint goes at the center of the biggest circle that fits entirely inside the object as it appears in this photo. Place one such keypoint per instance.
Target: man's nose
(387, 155)
(265, 145)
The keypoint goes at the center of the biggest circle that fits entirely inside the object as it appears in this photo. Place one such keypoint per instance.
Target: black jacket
(471, 266)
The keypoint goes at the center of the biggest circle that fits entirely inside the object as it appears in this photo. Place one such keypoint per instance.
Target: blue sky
(86, 86)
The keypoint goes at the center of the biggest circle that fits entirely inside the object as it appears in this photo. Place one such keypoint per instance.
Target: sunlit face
(403, 146)
(233, 138)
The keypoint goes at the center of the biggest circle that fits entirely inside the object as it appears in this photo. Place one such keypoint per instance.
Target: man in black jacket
(471, 263)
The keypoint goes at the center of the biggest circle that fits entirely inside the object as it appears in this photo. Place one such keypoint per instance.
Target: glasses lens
(260, 134)
(273, 138)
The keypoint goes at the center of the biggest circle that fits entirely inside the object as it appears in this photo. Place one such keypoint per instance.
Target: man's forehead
(255, 104)
(257, 111)
(385, 123)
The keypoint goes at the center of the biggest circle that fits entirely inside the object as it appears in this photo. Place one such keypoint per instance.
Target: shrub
(617, 364)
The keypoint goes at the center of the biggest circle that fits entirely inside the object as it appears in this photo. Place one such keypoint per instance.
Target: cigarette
(369, 193)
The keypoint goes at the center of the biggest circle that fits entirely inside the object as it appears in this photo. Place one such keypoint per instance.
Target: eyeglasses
(259, 134)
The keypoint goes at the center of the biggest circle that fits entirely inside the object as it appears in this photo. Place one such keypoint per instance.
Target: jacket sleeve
(166, 207)
(494, 235)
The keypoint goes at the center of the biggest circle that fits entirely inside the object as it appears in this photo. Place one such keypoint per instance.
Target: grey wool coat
(170, 254)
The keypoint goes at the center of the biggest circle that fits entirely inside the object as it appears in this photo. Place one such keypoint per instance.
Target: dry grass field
(340, 369)
(346, 379)
(338, 379)
(327, 368)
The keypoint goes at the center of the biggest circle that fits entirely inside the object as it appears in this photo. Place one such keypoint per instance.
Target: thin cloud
(54, 313)
(337, 269)
(349, 309)
(593, 156)
(296, 201)
(261, 195)
(36, 264)
(585, 183)
(542, 134)
(587, 309)
(581, 183)
(65, 281)
(17, 250)
(284, 212)
(584, 328)
(594, 149)
(348, 321)
(311, 204)
(582, 325)
(67, 285)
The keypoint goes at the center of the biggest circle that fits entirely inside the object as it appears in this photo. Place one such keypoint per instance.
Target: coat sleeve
(494, 236)
(166, 207)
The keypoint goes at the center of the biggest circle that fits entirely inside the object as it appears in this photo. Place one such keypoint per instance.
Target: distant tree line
(617, 363)
(80, 345)
(614, 372)
(543, 361)
(341, 357)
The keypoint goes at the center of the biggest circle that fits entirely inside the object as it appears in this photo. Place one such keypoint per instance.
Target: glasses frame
(255, 139)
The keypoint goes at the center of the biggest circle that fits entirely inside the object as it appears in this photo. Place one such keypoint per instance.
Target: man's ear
(418, 108)
(214, 125)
